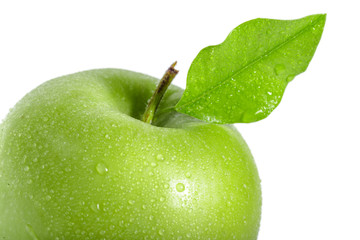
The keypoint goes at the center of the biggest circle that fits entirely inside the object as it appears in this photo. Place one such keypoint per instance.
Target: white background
(307, 150)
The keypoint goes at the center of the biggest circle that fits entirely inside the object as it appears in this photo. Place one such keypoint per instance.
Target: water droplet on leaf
(279, 69)
(290, 78)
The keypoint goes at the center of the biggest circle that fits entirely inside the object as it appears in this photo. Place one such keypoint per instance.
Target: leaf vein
(288, 40)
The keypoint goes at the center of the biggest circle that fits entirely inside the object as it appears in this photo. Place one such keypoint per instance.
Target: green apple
(77, 162)
(97, 155)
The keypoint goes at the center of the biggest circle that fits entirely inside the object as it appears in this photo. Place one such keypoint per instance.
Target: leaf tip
(322, 17)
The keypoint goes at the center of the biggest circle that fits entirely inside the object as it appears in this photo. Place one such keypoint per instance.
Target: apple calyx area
(155, 100)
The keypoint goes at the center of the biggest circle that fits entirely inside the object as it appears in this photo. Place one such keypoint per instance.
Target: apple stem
(159, 93)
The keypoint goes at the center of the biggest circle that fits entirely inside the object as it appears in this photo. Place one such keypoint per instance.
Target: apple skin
(77, 163)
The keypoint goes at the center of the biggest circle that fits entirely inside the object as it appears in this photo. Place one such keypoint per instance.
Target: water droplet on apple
(107, 136)
(35, 160)
(151, 217)
(29, 181)
(162, 199)
(153, 164)
(102, 232)
(188, 175)
(180, 187)
(101, 168)
(131, 202)
(161, 232)
(26, 168)
(166, 185)
(29, 229)
(95, 207)
(48, 198)
(160, 157)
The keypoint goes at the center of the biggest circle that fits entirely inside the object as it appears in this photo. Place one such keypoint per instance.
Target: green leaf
(243, 79)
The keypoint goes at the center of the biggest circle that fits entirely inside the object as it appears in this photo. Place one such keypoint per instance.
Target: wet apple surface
(76, 162)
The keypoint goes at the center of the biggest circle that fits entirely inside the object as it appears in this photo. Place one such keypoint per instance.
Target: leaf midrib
(211, 89)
